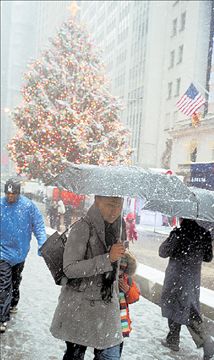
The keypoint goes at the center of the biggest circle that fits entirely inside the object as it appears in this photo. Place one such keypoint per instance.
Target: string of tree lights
(67, 113)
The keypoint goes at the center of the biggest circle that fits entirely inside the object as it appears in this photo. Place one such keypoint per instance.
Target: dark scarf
(108, 278)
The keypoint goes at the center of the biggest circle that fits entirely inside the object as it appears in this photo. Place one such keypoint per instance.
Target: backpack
(52, 252)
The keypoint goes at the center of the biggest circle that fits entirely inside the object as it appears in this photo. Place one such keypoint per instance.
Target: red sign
(67, 197)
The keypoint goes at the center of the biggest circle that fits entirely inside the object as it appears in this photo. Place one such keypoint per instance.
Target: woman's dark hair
(189, 223)
(191, 226)
(190, 240)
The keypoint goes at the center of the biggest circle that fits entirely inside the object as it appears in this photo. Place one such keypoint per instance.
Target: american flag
(190, 101)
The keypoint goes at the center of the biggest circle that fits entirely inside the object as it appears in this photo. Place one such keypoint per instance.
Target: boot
(3, 326)
(208, 349)
(171, 346)
(13, 310)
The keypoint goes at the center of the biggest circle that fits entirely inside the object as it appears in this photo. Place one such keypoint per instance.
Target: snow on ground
(28, 336)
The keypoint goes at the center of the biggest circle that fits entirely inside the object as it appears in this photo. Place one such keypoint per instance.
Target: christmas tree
(67, 114)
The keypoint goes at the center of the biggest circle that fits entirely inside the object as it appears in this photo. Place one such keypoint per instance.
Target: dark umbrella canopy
(122, 181)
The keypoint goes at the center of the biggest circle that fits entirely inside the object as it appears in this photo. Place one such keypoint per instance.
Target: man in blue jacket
(19, 219)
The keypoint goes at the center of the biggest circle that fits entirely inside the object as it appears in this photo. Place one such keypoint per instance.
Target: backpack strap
(64, 235)
(88, 221)
(85, 218)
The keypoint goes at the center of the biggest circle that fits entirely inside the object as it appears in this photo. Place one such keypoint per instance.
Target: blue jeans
(77, 352)
(112, 353)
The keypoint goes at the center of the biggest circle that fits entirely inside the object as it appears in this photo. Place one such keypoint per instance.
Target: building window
(174, 27)
(175, 117)
(180, 54)
(193, 154)
(167, 121)
(178, 84)
(183, 21)
(147, 25)
(172, 59)
(169, 90)
(112, 5)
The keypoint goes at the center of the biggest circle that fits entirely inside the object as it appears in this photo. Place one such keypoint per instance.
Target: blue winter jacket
(18, 221)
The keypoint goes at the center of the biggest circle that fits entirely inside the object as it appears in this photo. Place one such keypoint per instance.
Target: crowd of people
(56, 214)
(93, 307)
(61, 215)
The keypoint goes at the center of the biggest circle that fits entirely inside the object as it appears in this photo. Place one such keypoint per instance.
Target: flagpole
(198, 83)
(207, 92)
(207, 98)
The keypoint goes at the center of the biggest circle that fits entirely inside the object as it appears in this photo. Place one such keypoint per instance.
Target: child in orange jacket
(128, 291)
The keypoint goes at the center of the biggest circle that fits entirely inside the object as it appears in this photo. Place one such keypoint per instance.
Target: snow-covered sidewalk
(28, 336)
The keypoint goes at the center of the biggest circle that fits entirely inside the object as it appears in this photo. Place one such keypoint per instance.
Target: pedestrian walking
(61, 213)
(88, 312)
(131, 227)
(187, 247)
(128, 292)
(68, 215)
(19, 218)
(54, 215)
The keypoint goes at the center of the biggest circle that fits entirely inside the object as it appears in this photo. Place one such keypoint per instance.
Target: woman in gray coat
(187, 247)
(88, 311)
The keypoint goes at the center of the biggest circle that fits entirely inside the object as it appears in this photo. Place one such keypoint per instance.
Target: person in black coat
(187, 247)
(68, 215)
(54, 215)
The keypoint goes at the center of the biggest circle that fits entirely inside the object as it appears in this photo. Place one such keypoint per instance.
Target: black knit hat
(12, 186)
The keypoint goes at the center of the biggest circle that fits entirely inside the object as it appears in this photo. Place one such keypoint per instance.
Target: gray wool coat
(181, 288)
(81, 316)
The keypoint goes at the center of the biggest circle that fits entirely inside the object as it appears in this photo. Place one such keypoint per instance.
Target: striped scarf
(124, 315)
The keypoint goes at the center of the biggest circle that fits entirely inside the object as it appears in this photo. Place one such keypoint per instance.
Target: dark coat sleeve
(208, 249)
(168, 247)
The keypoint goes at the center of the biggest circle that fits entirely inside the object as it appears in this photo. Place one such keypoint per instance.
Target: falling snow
(28, 330)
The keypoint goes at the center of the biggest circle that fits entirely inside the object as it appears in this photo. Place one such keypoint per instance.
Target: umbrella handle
(197, 209)
(121, 228)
